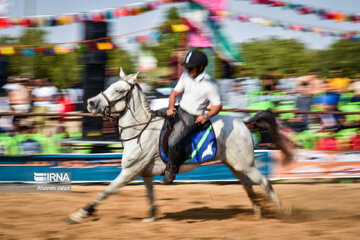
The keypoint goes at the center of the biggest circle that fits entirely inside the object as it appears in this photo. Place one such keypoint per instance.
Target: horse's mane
(143, 100)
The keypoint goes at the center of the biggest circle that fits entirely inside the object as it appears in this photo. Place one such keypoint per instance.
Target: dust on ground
(185, 211)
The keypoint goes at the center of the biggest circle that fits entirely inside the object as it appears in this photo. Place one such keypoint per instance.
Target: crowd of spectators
(306, 93)
(310, 92)
(26, 135)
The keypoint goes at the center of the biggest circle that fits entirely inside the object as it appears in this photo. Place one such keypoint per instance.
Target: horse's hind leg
(124, 177)
(150, 194)
(255, 175)
(245, 181)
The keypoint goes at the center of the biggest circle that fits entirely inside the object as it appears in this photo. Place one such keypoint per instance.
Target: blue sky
(234, 29)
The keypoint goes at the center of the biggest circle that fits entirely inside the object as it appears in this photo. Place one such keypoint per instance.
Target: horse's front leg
(150, 194)
(126, 175)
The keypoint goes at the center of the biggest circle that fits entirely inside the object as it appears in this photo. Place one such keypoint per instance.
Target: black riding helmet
(195, 59)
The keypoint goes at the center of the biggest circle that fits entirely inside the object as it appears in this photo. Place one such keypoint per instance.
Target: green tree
(25, 65)
(343, 54)
(121, 58)
(63, 70)
(284, 55)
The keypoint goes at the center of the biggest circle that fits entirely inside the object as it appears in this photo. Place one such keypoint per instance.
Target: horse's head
(115, 97)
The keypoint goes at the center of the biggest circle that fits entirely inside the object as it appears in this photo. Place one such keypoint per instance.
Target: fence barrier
(115, 114)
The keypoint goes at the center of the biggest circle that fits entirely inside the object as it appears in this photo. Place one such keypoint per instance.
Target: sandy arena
(185, 211)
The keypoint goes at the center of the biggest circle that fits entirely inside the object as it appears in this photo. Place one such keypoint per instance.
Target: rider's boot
(169, 177)
(172, 167)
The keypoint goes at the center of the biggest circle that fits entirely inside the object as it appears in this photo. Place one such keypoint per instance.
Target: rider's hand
(171, 111)
(201, 119)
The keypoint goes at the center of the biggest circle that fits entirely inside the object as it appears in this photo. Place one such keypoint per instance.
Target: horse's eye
(120, 91)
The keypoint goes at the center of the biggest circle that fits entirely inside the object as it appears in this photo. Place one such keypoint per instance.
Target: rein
(107, 113)
(107, 109)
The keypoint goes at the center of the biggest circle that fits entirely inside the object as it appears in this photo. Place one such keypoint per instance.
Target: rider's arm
(172, 99)
(214, 110)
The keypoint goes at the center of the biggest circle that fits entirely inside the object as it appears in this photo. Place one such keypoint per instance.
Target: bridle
(107, 112)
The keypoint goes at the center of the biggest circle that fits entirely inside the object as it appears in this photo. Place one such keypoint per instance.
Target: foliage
(287, 56)
(62, 69)
(121, 58)
(169, 41)
(343, 54)
(23, 65)
(154, 76)
(283, 55)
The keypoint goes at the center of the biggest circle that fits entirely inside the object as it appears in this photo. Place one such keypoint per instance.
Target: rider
(198, 91)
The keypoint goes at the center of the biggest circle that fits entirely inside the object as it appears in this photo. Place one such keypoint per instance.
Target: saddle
(198, 147)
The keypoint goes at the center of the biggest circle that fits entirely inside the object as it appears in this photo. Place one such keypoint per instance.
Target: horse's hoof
(77, 216)
(286, 209)
(71, 220)
(149, 219)
(257, 212)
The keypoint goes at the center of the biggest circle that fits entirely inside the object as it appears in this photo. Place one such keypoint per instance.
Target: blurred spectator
(355, 88)
(76, 95)
(6, 122)
(269, 82)
(65, 102)
(18, 94)
(337, 81)
(288, 83)
(251, 84)
(44, 94)
(328, 101)
(314, 80)
(303, 103)
(237, 97)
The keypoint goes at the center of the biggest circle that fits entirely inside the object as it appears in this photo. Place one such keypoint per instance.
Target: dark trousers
(183, 127)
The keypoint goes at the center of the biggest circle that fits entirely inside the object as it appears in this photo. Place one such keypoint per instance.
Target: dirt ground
(185, 211)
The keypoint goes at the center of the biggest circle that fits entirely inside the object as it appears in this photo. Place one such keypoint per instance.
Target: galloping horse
(140, 133)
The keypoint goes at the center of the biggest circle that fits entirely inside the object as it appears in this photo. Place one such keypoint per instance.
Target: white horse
(140, 133)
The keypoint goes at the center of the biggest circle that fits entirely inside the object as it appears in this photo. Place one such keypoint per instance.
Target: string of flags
(297, 27)
(303, 10)
(59, 48)
(80, 47)
(156, 35)
(95, 15)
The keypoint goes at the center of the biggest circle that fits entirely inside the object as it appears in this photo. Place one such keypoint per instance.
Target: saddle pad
(203, 146)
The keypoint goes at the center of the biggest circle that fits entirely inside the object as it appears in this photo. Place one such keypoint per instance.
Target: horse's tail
(267, 119)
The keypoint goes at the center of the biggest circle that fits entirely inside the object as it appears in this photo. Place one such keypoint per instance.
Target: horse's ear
(122, 74)
(133, 78)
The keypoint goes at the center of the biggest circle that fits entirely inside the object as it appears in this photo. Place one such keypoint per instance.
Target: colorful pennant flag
(296, 27)
(7, 50)
(180, 28)
(61, 50)
(96, 16)
(105, 46)
(303, 9)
